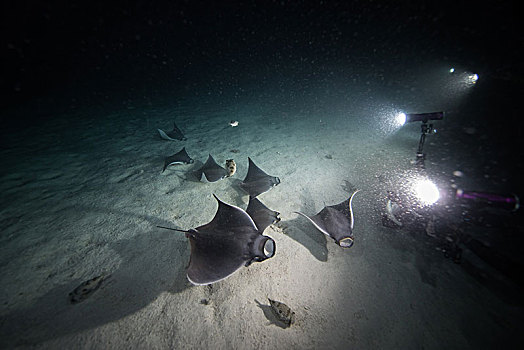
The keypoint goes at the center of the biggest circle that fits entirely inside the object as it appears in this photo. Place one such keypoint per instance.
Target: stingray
(261, 215)
(173, 135)
(180, 157)
(336, 221)
(219, 248)
(257, 181)
(212, 171)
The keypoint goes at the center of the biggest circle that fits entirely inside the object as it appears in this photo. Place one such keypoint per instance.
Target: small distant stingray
(336, 221)
(173, 135)
(257, 181)
(261, 215)
(211, 170)
(180, 157)
(219, 248)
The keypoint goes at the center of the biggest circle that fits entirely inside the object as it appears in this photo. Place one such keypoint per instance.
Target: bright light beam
(426, 191)
(472, 79)
(401, 118)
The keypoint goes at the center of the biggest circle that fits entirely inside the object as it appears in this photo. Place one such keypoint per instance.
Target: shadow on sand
(152, 262)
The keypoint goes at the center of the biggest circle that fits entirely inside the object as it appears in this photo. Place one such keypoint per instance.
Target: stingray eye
(269, 248)
(346, 242)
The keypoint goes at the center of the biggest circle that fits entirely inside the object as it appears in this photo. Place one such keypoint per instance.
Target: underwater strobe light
(472, 78)
(426, 191)
(403, 118)
(426, 129)
(411, 201)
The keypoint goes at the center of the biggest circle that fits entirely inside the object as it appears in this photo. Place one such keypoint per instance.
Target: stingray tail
(172, 229)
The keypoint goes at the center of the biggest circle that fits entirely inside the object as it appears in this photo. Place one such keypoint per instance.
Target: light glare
(401, 118)
(426, 191)
(472, 78)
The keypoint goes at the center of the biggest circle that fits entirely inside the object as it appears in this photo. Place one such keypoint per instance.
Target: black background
(127, 48)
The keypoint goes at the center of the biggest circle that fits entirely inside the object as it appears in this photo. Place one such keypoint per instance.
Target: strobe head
(419, 117)
(424, 117)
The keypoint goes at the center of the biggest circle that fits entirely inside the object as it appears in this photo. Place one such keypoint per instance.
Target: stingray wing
(214, 256)
(261, 215)
(176, 133)
(222, 246)
(336, 221)
(172, 135)
(180, 157)
(211, 170)
(257, 181)
(164, 135)
(183, 157)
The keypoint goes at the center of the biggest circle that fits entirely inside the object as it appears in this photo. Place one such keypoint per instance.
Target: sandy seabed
(81, 197)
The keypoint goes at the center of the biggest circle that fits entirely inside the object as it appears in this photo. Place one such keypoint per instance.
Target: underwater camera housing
(423, 117)
(455, 220)
(425, 129)
(403, 207)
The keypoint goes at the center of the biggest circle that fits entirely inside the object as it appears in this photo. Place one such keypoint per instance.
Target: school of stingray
(234, 237)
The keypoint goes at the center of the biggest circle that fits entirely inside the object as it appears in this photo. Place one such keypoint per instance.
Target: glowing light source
(452, 70)
(472, 78)
(426, 191)
(401, 118)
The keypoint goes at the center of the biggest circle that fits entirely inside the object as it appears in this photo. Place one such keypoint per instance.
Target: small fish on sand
(86, 289)
(282, 312)
(231, 167)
